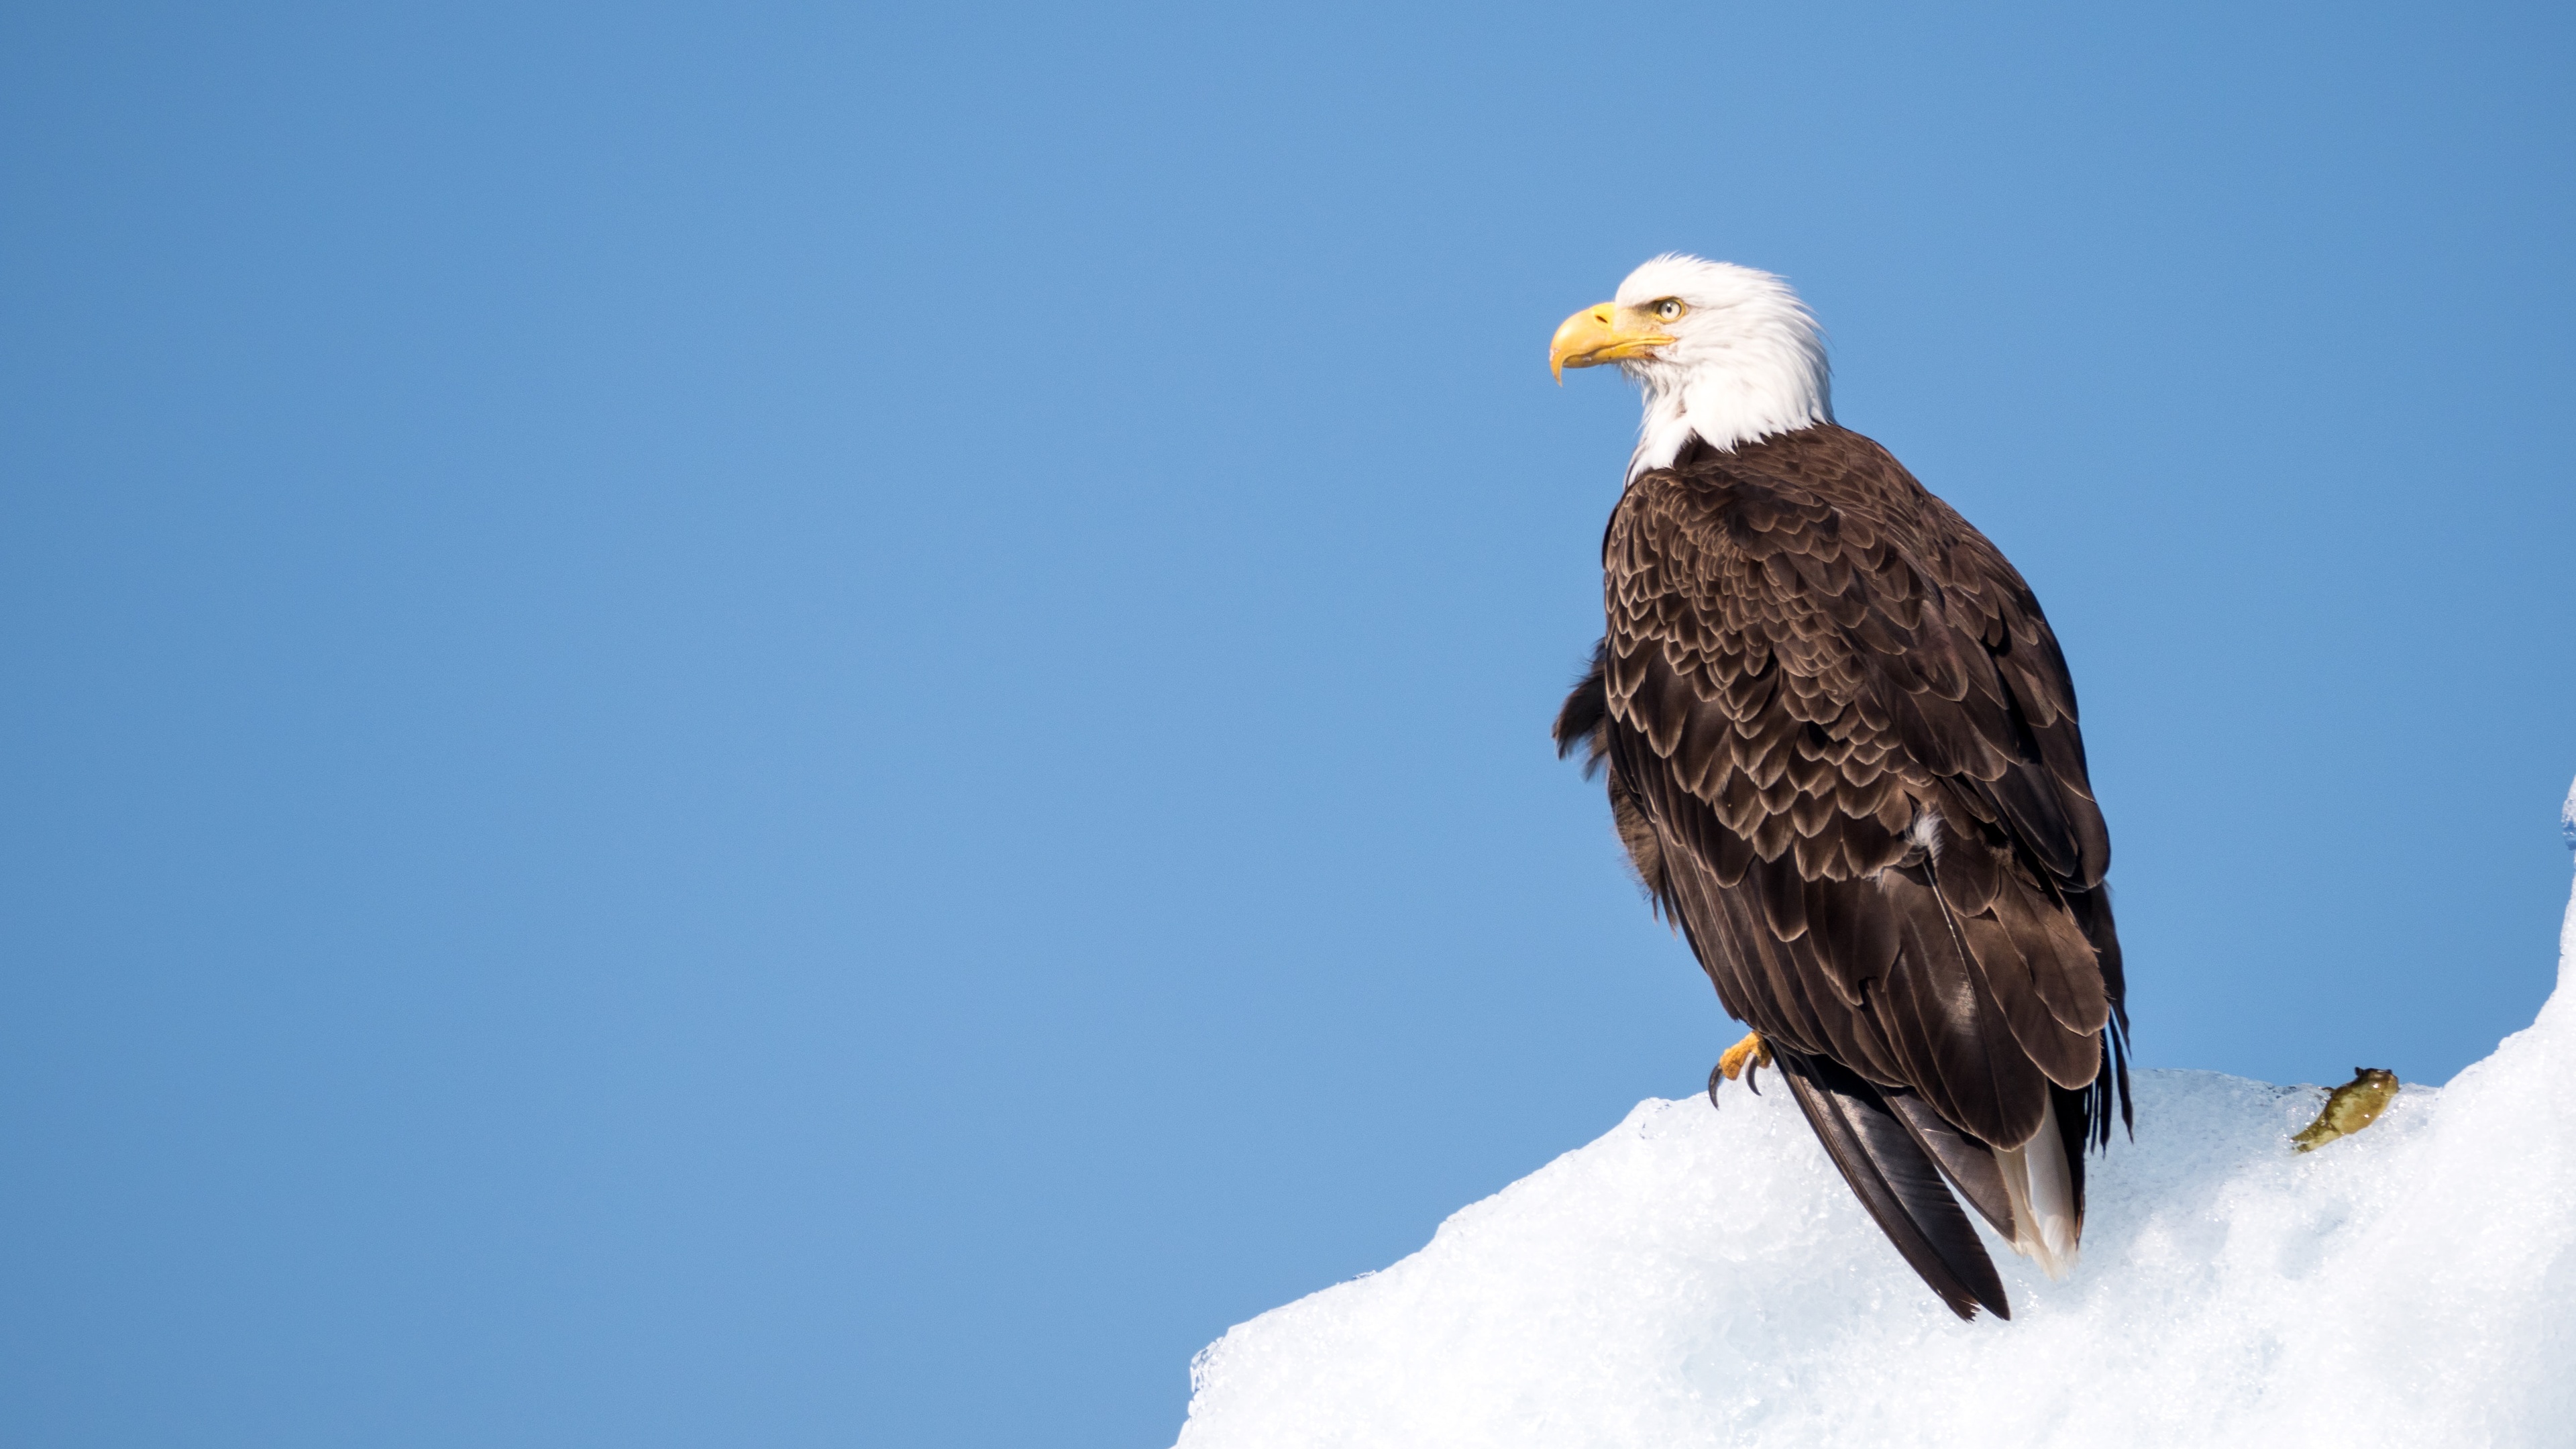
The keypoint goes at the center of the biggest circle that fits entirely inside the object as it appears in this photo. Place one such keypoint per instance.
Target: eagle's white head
(1725, 353)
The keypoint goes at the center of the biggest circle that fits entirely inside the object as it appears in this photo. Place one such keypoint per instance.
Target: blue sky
(785, 726)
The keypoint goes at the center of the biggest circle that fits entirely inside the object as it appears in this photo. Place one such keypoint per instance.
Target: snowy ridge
(1699, 1277)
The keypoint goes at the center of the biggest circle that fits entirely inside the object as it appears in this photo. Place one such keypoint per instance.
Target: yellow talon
(1752, 1049)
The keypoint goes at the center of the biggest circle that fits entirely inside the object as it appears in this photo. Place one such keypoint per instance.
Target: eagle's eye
(1670, 309)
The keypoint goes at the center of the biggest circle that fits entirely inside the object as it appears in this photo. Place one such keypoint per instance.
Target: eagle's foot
(1745, 1059)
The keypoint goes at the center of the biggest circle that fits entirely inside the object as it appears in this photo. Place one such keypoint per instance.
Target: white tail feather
(2043, 1197)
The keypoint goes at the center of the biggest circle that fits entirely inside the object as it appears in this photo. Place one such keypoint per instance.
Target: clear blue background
(760, 726)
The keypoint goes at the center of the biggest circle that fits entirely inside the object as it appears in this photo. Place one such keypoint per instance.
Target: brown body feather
(1843, 756)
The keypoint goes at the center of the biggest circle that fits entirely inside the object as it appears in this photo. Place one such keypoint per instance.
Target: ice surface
(1700, 1277)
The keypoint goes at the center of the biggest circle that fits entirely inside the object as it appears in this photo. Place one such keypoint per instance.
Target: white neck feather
(1747, 362)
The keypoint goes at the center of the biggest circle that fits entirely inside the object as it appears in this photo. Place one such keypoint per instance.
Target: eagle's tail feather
(1896, 1180)
(2041, 1176)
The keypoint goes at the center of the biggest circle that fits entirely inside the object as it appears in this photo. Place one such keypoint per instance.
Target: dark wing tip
(1897, 1183)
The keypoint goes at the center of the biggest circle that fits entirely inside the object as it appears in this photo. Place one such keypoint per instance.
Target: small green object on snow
(2349, 1108)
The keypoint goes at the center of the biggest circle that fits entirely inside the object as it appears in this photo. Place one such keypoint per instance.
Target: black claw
(1716, 1074)
(1753, 1074)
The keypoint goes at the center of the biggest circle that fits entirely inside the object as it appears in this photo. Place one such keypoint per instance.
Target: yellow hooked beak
(1596, 335)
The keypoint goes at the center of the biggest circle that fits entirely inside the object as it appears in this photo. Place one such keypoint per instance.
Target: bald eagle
(1842, 754)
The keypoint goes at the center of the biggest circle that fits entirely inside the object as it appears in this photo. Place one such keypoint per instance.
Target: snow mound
(1700, 1277)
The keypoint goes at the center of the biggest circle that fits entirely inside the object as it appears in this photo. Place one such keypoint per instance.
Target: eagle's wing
(1844, 755)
